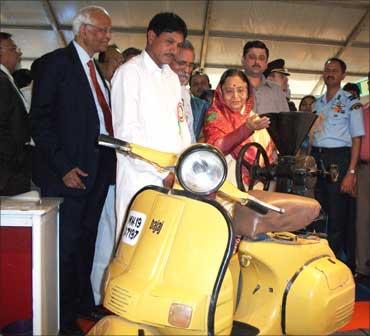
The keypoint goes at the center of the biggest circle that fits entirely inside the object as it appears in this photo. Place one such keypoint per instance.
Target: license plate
(134, 226)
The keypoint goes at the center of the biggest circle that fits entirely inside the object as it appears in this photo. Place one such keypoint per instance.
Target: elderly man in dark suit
(15, 166)
(70, 108)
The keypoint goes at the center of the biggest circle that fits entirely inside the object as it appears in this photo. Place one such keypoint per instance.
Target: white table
(43, 218)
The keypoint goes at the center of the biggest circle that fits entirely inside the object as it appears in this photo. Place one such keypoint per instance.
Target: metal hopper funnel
(289, 129)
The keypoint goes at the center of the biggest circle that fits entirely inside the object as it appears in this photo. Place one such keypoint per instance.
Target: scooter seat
(299, 212)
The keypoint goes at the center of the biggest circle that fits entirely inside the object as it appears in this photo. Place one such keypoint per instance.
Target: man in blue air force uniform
(336, 140)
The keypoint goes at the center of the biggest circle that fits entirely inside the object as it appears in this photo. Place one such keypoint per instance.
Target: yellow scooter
(177, 269)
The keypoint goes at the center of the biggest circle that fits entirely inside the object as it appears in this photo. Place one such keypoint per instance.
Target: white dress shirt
(26, 103)
(147, 109)
(85, 58)
(185, 93)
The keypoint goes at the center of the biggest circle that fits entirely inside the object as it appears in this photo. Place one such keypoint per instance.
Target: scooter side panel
(320, 298)
(267, 267)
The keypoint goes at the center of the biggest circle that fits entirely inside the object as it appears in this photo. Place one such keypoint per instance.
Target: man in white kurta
(147, 109)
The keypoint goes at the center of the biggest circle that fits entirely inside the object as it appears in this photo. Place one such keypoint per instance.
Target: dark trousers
(18, 181)
(363, 219)
(339, 207)
(78, 225)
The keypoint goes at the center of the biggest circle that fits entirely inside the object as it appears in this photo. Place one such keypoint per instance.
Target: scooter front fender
(117, 326)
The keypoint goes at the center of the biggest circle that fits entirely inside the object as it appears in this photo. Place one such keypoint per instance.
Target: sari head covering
(220, 121)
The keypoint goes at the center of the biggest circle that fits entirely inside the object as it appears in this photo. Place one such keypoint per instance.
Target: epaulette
(355, 106)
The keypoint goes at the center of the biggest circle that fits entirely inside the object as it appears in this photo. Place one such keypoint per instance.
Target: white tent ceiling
(304, 33)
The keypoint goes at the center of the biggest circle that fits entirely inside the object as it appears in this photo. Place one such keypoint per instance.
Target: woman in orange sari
(230, 122)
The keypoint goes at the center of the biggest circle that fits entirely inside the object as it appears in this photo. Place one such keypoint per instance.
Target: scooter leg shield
(171, 267)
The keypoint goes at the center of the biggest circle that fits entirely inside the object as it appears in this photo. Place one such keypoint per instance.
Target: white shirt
(27, 94)
(85, 58)
(5, 69)
(26, 103)
(147, 109)
(188, 111)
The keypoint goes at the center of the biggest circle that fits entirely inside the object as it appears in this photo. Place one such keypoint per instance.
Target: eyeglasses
(239, 91)
(100, 30)
(183, 63)
(16, 49)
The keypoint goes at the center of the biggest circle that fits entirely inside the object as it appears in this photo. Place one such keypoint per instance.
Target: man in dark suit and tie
(15, 158)
(70, 108)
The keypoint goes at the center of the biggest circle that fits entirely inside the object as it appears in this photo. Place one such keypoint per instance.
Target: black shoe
(70, 330)
(362, 278)
(96, 314)
(99, 312)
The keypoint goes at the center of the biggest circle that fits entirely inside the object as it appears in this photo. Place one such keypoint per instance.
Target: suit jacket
(199, 108)
(14, 131)
(65, 123)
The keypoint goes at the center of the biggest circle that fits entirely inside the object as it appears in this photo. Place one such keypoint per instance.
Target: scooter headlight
(201, 169)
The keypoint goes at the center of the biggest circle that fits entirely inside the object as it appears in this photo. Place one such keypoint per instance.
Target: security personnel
(336, 140)
(277, 73)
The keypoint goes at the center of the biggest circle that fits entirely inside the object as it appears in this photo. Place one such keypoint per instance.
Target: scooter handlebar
(166, 160)
(108, 141)
(232, 192)
(160, 160)
(262, 207)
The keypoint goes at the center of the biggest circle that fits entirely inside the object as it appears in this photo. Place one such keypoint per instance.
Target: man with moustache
(70, 108)
(148, 109)
(195, 108)
(268, 95)
(336, 140)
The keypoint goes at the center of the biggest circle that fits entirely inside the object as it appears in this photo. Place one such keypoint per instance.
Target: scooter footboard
(118, 326)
